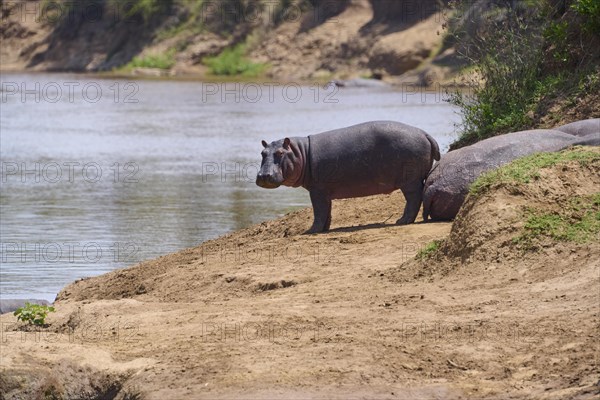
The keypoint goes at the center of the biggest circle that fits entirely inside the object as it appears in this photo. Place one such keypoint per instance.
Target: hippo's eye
(279, 153)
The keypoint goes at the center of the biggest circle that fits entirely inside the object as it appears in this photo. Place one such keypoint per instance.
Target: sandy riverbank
(269, 313)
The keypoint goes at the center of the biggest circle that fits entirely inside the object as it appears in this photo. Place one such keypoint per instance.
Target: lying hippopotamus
(585, 127)
(362, 160)
(10, 305)
(359, 83)
(448, 184)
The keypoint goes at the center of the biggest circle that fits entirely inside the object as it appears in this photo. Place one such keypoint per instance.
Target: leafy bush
(160, 61)
(590, 10)
(232, 61)
(34, 314)
(527, 57)
(506, 59)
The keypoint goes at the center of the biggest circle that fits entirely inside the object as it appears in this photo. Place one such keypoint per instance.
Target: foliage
(526, 57)
(160, 61)
(526, 169)
(429, 249)
(34, 314)
(506, 59)
(147, 9)
(590, 10)
(232, 61)
(557, 33)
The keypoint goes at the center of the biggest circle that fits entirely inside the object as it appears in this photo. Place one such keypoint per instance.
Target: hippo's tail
(435, 148)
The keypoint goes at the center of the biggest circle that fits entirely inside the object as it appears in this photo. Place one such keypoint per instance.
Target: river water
(101, 173)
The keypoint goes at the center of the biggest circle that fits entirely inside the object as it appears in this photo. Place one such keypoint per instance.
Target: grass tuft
(579, 223)
(429, 250)
(526, 169)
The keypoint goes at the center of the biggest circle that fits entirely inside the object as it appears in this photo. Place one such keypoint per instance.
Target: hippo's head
(282, 164)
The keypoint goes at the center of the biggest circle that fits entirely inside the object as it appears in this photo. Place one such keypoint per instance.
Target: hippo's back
(370, 158)
(581, 128)
(10, 305)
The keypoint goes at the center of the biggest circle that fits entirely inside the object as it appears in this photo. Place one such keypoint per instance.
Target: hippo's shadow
(379, 225)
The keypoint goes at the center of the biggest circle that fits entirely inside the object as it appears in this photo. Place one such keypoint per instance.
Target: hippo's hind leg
(322, 212)
(414, 197)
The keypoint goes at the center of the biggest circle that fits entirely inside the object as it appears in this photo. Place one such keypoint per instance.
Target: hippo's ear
(265, 145)
(286, 143)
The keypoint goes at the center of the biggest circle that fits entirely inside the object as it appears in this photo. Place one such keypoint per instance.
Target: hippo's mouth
(267, 184)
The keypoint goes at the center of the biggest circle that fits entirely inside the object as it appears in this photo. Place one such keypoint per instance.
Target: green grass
(160, 61)
(579, 222)
(232, 62)
(147, 9)
(429, 249)
(526, 169)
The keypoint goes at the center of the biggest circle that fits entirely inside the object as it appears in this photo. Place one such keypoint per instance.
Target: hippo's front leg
(322, 212)
(414, 197)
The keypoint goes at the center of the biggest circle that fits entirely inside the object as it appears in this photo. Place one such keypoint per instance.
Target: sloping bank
(500, 304)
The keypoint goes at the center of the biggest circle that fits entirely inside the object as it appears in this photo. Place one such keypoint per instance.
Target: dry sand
(269, 313)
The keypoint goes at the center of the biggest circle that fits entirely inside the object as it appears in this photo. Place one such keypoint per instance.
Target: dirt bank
(269, 313)
(297, 40)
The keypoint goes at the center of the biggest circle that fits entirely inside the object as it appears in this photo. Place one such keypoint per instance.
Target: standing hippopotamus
(585, 127)
(448, 184)
(361, 160)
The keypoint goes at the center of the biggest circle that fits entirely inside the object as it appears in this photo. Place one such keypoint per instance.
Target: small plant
(159, 61)
(557, 34)
(429, 249)
(232, 61)
(34, 314)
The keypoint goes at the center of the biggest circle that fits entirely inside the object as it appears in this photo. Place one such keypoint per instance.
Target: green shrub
(34, 314)
(590, 11)
(525, 57)
(506, 59)
(160, 61)
(557, 33)
(232, 61)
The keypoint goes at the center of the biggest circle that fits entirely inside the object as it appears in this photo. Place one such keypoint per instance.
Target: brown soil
(312, 46)
(564, 110)
(269, 313)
